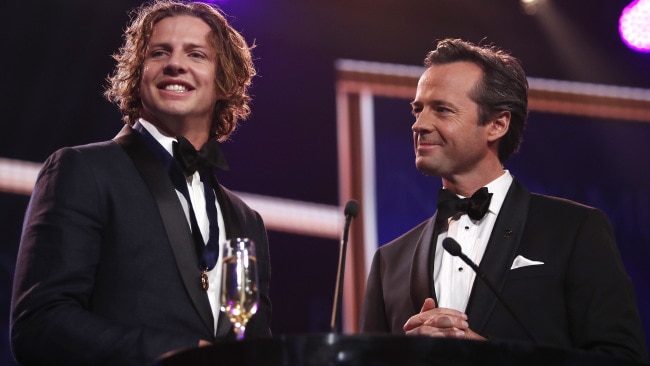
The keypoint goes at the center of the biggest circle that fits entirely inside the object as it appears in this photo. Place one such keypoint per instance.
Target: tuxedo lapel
(231, 220)
(171, 212)
(499, 254)
(422, 269)
(233, 230)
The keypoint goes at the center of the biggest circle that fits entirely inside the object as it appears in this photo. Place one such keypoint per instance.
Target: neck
(196, 132)
(466, 185)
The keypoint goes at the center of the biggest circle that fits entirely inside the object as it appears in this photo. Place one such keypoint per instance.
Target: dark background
(56, 56)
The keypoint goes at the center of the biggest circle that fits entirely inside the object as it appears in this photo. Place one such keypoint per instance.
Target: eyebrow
(429, 102)
(186, 46)
(432, 102)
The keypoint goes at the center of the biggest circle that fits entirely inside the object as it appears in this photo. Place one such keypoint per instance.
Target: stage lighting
(634, 25)
(531, 6)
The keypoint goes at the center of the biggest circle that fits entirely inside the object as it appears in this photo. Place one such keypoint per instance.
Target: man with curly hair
(119, 257)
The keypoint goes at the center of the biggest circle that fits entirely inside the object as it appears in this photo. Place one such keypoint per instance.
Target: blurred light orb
(531, 7)
(634, 25)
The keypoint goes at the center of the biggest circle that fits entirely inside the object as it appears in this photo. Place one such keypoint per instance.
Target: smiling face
(448, 140)
(178, 87)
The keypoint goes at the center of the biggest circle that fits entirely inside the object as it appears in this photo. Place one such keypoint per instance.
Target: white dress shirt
(196, 193)
(452, 277)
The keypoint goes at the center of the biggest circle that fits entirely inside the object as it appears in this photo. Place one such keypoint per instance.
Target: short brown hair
(503, 87)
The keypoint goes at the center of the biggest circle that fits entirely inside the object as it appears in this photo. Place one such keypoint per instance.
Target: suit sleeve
(373, 314)
(51, 317)
(601, 303)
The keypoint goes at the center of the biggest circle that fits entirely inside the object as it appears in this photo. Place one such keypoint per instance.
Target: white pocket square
(522, 261)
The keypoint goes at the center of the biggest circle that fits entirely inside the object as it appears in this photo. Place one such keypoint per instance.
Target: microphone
(351, 211)
(453, 248)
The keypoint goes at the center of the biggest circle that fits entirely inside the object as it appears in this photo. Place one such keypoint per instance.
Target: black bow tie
(191, 160)
(476, 206)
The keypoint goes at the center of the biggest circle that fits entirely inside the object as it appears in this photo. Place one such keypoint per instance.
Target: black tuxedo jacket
(107, 271)
(581, 297)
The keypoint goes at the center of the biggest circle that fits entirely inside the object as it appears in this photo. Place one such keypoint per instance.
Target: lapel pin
(508, 233)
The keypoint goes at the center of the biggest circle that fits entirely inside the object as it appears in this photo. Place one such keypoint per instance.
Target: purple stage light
(634, 25)
(211, 1)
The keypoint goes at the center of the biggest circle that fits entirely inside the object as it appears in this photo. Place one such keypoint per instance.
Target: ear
(498, 126)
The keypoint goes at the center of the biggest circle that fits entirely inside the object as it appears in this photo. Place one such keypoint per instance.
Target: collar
(165, 141)
(499, 188)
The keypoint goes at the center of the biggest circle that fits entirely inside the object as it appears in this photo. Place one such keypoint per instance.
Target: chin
(426, 170)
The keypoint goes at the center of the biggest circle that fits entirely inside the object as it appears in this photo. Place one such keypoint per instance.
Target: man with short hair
(553, 261)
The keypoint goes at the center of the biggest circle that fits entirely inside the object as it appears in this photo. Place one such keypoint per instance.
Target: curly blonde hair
(234, 69)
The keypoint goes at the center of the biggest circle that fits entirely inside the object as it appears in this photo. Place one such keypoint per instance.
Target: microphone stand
(351, 211)
(453, 248)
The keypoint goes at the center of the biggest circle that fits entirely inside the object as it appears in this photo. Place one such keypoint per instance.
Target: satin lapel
(499, 254)
(230, 217)
(233, 230)
(422, 269)
(171, 212)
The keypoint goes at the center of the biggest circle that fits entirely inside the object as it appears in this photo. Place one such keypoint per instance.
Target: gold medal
(204, 281)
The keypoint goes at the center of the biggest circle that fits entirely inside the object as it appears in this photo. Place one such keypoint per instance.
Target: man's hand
(203, 343)
(439, 322)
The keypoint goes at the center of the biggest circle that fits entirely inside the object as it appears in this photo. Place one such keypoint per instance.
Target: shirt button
(460, 269)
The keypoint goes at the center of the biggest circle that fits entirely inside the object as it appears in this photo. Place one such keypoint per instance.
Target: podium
(378, 350)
